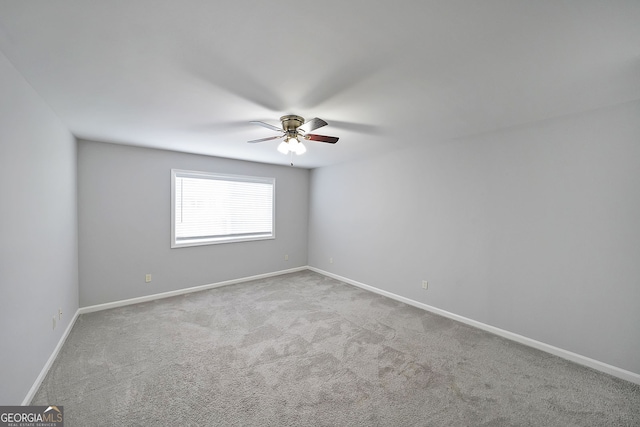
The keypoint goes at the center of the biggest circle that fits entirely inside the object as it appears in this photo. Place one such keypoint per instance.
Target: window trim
(177, 173)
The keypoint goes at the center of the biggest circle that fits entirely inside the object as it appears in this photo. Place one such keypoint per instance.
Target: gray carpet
(306, 350)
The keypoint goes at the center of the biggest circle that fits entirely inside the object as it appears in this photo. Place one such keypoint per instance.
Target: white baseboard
(52, 358)
(152, 297)
(565, 354)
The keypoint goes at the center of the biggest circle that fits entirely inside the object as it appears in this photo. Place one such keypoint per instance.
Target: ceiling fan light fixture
(300, 148)
(283, 147)
(292, 145)
(296, 146)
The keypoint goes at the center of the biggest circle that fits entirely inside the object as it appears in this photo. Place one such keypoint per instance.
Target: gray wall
(124, 224)
(535, 230)
(38, 255)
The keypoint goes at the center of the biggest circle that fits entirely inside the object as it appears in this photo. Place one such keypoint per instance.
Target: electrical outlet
(330, 260)
(425, 284)
(147, 278)
(286, 257)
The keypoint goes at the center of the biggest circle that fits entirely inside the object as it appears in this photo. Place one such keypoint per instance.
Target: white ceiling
(189, 75)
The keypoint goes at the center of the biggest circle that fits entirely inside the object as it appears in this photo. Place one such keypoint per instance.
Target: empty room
(320, 213)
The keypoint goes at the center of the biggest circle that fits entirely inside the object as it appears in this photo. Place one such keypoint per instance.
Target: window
(208, 208)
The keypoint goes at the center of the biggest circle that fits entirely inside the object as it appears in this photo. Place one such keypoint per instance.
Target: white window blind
(213, 208)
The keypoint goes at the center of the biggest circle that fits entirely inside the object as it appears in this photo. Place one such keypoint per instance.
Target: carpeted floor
(306, 350)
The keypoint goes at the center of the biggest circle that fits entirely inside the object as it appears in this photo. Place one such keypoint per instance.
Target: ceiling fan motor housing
(291, 122)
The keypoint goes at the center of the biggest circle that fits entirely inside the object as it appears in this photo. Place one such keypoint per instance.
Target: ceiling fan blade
(357, 127)
(253, 141)
(321, 138)
(312, 124)
(268, 126)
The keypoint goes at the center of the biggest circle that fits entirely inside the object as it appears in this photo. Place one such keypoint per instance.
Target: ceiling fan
(294, 127)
